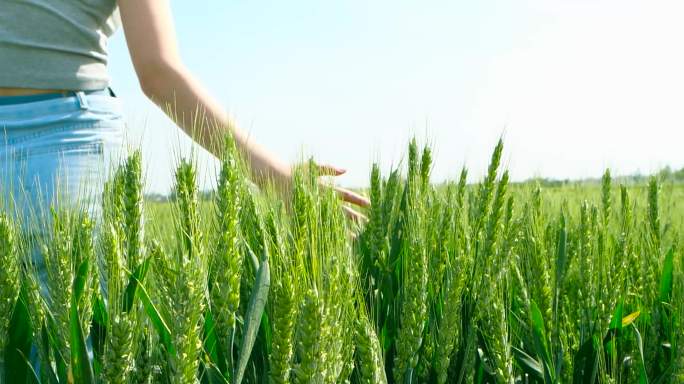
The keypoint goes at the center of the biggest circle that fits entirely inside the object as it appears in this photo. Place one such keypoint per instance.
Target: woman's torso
(59, 148)
(55, 44)
(55, 144)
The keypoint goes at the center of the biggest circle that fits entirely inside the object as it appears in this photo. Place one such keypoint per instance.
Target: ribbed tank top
(56, 44)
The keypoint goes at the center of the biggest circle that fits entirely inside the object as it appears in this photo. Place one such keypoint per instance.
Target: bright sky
(574, 86)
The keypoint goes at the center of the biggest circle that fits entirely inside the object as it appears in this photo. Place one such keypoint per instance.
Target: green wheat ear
(310, 367)
(227, 257)
(283, 314)
(369, 354)
(425, 166)
(606, 199)
(414, 275)
(187, 203)
(9, 281)
(375, 229)
(118, 348)
(133, 210)
(654, 211)
(185, 280)
(282, 305)
(487, 189)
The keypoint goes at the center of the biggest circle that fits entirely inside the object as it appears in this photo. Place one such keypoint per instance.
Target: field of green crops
(451, 283)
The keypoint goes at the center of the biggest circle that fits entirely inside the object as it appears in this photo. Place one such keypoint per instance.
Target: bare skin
(163, 77)
(166, 81)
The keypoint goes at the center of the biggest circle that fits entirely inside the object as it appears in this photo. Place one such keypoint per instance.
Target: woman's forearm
(184, 100)
(151, 39)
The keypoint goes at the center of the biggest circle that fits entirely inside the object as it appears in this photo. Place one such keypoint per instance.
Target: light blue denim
(57, 152)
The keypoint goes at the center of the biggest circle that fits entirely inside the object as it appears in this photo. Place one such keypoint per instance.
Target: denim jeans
(56, 150)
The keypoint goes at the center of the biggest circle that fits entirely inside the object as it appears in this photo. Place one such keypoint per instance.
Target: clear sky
(574, 86)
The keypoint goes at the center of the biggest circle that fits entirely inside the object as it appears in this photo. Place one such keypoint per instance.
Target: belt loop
(82, 99)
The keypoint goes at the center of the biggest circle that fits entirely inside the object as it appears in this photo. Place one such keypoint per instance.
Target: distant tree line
(665, 175)
(668, 173)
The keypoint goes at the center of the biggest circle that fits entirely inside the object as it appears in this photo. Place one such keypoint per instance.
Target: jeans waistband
(12, 100)
(58, 109)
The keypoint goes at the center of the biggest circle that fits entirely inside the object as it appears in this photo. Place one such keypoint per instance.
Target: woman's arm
(167, 82)
(151, 39)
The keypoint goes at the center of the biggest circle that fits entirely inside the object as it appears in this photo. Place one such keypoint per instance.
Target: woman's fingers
(329, 170)
(353, 215)
(352, 197)
(344, 194)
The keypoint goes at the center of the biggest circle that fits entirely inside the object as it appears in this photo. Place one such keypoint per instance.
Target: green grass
(493, 282)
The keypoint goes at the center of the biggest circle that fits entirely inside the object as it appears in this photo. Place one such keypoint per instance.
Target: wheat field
(492, 282)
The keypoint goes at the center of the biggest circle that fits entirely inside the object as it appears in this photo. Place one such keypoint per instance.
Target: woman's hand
(345, 195)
